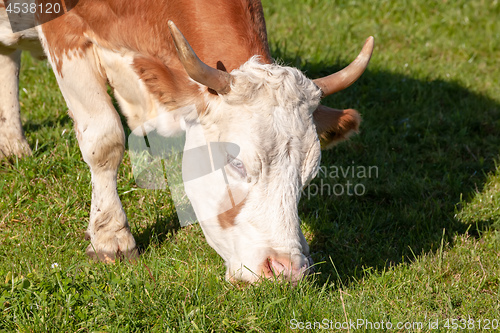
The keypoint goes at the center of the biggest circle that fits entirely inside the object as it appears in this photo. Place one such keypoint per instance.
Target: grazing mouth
(273, 268)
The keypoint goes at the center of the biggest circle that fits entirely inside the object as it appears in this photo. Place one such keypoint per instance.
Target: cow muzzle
(291, 268)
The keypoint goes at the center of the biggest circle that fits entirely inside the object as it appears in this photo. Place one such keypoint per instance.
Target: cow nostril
(275, 268)
(286, 268)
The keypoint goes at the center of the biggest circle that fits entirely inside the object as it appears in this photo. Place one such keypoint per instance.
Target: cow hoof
(19, 149)
(111, 257)
(119, 247)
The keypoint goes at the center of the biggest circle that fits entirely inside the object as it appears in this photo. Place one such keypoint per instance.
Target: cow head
(268, 124)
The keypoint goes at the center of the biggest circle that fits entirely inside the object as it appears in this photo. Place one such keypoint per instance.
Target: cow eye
(237, 165)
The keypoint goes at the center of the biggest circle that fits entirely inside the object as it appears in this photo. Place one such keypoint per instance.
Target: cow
(199, 66)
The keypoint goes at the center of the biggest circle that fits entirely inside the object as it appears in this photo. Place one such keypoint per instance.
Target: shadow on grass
(163, 230)
(31, 126)
(430, 144)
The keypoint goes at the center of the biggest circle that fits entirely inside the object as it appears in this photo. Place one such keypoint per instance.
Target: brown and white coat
(236, 95)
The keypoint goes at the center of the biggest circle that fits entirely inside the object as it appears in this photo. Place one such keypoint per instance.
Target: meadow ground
(411, 244)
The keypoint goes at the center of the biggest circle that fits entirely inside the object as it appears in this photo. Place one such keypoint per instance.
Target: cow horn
(213, 78)
(347, 76)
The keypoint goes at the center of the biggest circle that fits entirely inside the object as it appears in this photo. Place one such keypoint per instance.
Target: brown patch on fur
(161, 81)
(229, 32)
(227, 218)
(64, 34)
(334, 125)
(256, 14)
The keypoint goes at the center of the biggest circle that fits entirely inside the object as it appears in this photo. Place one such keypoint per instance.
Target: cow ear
(334, 125)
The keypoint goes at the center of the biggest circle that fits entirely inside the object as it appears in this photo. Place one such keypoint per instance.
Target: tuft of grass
(419, 246)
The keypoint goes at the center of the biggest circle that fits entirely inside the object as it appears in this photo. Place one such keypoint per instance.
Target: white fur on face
(268, 115)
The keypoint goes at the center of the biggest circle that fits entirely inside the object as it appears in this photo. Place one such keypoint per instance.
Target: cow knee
(102, 150)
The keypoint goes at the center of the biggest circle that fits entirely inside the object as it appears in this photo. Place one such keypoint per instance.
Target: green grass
(422, 244)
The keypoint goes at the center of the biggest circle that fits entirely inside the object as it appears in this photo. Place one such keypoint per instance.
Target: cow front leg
(101, 139)
(12, 139)
(108, 230)
(102, 143)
